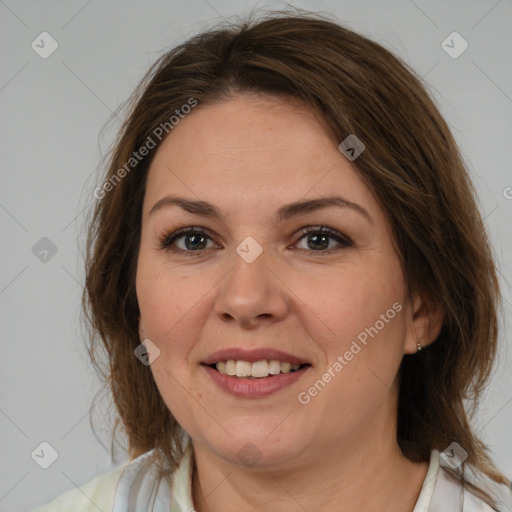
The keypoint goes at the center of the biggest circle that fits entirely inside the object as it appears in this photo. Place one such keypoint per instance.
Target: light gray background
(52, 111)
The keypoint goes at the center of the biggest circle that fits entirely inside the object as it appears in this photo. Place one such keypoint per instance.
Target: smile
(257, 370)
(254, 380)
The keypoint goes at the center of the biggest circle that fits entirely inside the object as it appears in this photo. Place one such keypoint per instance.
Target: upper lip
(257, 354)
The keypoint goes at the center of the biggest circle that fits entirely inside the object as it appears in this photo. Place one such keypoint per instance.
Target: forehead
(251, 149)
(244, 126)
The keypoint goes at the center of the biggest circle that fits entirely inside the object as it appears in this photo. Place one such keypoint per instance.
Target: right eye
(195, 240)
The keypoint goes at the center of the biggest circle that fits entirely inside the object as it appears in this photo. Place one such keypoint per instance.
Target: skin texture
(249, 156)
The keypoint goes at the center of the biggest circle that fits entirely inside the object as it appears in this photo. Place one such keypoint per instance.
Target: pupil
(324, 238)
(193, 237)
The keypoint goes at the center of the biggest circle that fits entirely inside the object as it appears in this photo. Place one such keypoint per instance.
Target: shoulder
(96, 494)
(136, 485)
(499, 493)
(450, 491)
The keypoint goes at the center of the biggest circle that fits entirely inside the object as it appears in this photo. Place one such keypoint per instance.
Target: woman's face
(251, 280)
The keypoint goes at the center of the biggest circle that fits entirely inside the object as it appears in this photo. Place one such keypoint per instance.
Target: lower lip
(254, 388)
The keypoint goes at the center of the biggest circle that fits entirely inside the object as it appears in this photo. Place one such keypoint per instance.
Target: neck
(375, 476)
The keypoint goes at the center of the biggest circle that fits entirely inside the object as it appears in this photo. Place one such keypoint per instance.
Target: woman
(290, 276)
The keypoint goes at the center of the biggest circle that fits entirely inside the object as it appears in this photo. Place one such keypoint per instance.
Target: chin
(257, 451)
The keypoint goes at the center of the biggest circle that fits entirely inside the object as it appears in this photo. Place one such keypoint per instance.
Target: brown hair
(412, 165)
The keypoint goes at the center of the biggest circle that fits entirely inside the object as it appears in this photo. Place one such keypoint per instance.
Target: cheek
(168, 301)
(363, 347)
(346, 302)
(174, 307)
(182, 396)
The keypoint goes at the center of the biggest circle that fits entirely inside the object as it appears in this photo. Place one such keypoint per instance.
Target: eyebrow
(205, 209)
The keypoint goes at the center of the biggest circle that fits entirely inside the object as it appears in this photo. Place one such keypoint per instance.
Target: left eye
(320, 238)
(196, 239)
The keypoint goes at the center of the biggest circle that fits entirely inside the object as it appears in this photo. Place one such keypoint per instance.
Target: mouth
(262, 369)
(254, 373)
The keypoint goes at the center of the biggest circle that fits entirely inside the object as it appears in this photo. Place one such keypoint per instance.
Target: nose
(252, 292)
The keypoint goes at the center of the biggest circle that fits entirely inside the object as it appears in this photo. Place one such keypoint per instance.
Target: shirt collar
(427, 489)
(182, 483)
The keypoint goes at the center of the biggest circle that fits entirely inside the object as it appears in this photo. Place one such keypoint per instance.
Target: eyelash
(165, 242)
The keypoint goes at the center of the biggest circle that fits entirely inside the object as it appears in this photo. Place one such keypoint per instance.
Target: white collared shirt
(135, 486)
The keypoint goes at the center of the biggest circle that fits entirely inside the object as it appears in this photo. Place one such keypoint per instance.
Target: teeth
(243, 369)
(258, 369)
(274, 367)
(230, 368)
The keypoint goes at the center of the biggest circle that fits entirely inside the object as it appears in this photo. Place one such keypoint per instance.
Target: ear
(425, 324)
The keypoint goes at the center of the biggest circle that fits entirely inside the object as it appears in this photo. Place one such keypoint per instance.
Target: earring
(418, 342)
